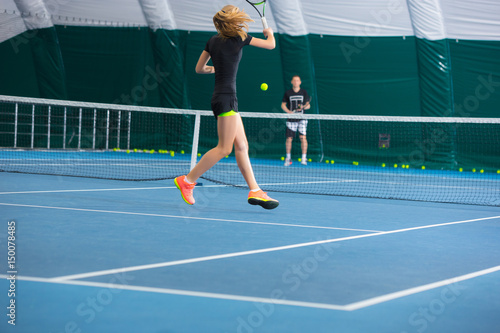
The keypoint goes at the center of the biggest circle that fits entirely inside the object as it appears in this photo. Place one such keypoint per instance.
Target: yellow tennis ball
(135, 150)
(383, 165)
(474, 170)
(128, 151)
(282, 158)
(310, 160)
(395, 165)
(423, 167)
(199, 154)
(151, 151)
(182, 151)
(482, 171)
(355, 163)
(327, 162)
(172, 153)
(300, 160)
(264, 86)
(332, 162)
(498, 171)
(461, 169)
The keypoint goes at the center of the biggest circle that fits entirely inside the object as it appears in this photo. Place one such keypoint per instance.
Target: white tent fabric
(34, 14)
(430, 19)
(427, 19)
(158, 14)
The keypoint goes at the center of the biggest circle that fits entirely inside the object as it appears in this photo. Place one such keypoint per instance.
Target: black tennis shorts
(224, 103)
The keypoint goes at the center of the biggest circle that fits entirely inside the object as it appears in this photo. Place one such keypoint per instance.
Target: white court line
(184, 293)
(92, 190)
(314, 182)
(252, 252)
(189, 217)
(419, 289)
(349, 307)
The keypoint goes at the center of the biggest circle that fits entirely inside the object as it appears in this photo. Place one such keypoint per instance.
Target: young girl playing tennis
(225, 49)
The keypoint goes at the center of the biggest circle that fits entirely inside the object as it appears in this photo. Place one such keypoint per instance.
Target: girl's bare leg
(242, 158)
(226, 129)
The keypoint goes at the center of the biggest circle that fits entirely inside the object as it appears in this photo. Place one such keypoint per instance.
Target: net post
(94, 129)
(118, 129)
(128, 130)
(80, 128)
(64, 128)
(33, 126)
(15, 126)
(196, 135)
(48, 128)
(107, 130)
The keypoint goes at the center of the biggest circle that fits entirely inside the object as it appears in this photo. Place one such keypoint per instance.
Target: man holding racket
(225, 50)
(296, 100)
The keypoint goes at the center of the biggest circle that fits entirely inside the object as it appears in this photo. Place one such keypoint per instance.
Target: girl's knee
(224, 151)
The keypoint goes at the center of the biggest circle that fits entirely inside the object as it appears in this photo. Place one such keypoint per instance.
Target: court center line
(349, 307)
(191, 217)
(252, 252)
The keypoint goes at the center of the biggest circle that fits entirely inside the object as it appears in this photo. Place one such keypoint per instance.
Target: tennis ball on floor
(282, 158)
(115, 149)
(383, 165)
(172, 153)
(482, 171)
(300, 159)
(498, 171)
(135, 150)
(355, 163)
(395, 165)
(309, 160)
(182, 151)
(128, 151)
(327, 162)
(423, 167)
(151, 151)
(461, 169)
(264, 86)
(199, 154)
(474, 170)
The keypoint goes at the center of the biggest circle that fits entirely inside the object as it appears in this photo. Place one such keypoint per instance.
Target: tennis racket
(262, 15)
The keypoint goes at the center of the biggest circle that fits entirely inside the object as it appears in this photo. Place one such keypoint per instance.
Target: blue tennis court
(98, 255)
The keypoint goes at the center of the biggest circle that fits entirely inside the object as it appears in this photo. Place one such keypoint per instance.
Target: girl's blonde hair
(230, 22)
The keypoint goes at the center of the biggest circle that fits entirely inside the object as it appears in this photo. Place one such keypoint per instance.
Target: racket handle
(264, 23)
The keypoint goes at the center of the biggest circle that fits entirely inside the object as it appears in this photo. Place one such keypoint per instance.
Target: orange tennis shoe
(262, 199)
(185, 188)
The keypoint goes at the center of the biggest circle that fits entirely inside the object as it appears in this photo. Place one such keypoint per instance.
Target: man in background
(296, 100)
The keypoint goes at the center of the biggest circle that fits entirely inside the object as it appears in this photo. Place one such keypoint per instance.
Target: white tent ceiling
(430, 19)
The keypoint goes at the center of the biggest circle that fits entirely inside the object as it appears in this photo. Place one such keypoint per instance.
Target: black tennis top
(226, 55)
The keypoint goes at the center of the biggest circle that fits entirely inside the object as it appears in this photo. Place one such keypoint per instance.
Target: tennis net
(454, 160)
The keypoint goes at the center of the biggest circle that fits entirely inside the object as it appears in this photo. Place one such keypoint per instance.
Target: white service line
(348, 307)
(251, 252)
(189, 217)
(419, 289)
(183, 292)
